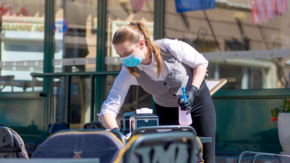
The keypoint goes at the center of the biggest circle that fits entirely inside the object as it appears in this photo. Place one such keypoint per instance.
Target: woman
(161, 68)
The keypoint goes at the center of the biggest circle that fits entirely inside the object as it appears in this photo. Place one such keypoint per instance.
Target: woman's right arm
(115, 100)
(108, 121)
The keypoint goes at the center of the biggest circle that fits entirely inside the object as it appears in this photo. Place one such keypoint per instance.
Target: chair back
(53, 128)
(169, 147)
(94, 125)
(80, 144)
(11, 144)
(174, 128)
(161, 129)
(118, 134)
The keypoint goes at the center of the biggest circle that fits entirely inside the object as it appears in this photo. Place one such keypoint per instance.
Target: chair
(258, 154)
(168, 128)
(175, 128)
(100, 127)
(31, 146)
(118, 134)
(6, 81)
(94, 125)
(160, 147)
(80, 144)
(57, 126)
(11, 144)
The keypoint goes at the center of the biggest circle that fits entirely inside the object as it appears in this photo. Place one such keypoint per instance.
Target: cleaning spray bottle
(184, 119)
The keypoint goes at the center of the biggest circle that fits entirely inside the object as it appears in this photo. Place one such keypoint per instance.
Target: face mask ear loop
(137, 45)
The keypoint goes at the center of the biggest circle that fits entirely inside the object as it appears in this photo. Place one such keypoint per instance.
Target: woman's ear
(142, 44)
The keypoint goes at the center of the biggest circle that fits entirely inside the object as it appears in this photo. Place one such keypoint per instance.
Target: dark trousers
(203, 119)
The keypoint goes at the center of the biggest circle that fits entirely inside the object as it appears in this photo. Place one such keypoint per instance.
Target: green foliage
(284, 108)
(272, 113)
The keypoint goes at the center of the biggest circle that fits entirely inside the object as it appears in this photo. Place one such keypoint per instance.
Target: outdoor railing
(258, 154)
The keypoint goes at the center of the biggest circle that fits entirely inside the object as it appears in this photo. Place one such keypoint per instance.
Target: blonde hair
(132, 33)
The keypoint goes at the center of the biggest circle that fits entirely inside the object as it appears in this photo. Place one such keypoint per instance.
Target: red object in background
(263, 10)
(8, 9)
(274, 119)
(4, 9)
(281, 6)
(137, 5)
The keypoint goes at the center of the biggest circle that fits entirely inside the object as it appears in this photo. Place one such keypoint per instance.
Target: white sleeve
(118, 92)
(185, 53)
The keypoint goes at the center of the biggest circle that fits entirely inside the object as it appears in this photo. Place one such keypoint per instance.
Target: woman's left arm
(189, 56)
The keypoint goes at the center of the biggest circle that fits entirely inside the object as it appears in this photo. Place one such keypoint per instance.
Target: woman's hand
(190, 95)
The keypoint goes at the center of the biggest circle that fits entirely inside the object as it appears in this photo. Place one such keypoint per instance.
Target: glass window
(75, 30)
(75, 41)
(80, 98)
(247, 44)
(122, 12)
(22, 35)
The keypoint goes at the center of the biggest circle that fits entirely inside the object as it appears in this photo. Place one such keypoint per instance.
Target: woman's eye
(127, 55)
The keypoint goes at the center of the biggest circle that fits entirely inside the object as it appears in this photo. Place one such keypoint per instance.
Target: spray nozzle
(183, 96)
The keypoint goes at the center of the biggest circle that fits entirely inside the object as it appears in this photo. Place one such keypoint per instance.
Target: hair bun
(133, 23)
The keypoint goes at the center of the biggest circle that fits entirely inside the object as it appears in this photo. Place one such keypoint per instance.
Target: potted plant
(283, 124)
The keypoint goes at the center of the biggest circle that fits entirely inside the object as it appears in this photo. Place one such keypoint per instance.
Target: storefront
(74, 36)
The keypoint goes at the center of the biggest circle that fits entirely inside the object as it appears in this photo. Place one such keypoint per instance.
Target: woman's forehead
(123, 47)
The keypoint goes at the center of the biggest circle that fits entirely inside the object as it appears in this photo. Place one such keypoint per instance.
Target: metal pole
(101, 50)
(61, 105)
(47, 60)
(92, 98)
(103, 73)
(68, 92)
(159, 16)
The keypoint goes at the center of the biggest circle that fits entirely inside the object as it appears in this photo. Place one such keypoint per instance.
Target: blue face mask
(132, 60)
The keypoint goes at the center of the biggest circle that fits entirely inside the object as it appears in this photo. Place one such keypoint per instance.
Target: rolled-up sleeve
(185, 53)
(118, 93)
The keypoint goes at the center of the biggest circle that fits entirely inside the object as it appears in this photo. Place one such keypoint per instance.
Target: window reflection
(75, 45)
(22, 34)
(250, 54)
(75, 36)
